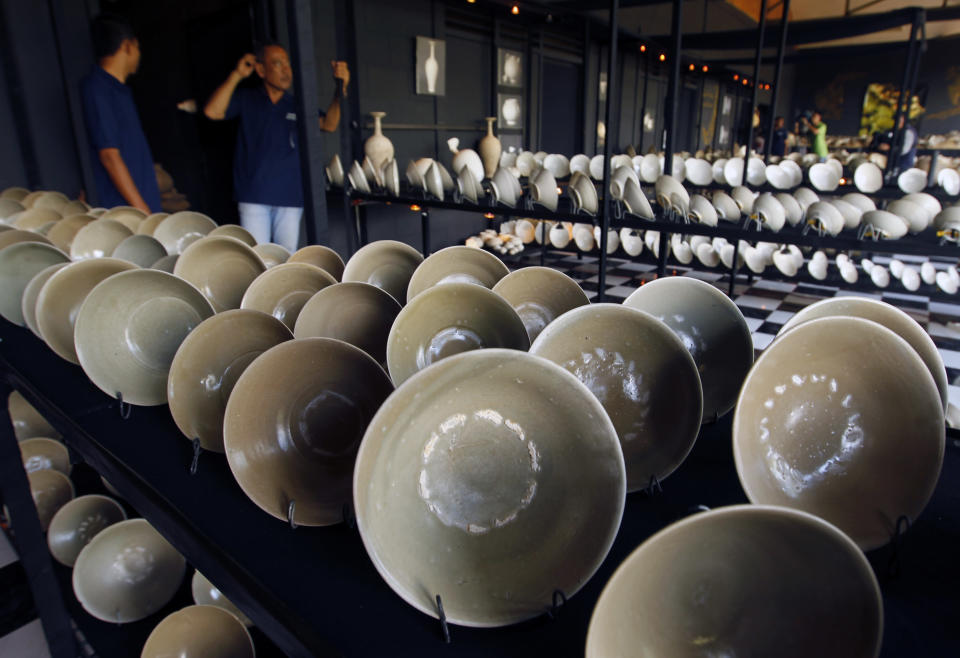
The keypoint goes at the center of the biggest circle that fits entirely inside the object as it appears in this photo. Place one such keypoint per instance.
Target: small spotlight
(559, 191)
(843, 181)
(663, 57)
(489, 215)
(415, 208)
(736, 76)
(705, 68)
(643, 48)
(470, 2)
(692, 67)
(515, 10)
(744, 82)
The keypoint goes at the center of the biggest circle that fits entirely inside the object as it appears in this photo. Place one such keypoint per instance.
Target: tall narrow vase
(377, 147)
(431, 68)
(490, 149)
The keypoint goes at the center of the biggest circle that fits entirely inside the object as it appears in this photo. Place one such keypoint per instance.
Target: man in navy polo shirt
(122, 163)
(266, 165)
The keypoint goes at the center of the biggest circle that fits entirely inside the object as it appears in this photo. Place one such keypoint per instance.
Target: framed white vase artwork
(510, 111)
(509, 68)
(431, 66)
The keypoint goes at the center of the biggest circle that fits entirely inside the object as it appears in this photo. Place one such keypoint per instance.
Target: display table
(314, 591)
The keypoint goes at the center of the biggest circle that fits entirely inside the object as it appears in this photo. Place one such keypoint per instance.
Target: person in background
(908, 150)
(266, 165)
(122, 162)
(818, 130)
(778, 145)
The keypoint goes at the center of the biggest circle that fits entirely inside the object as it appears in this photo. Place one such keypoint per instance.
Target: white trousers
(278, 224)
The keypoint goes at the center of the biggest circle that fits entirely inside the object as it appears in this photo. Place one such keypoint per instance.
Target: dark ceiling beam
(816, 31)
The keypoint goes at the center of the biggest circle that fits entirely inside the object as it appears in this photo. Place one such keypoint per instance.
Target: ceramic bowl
(387, 264)
(199, 631)
(557, 164)
(272, 254)
(237, 232)
(885, 224)
(699, 172)
(716, 583)
(826, 217)
(632, 241)
(671, 194)
(13, 236)
(206, 593)
(915, 215)
(98, 239)
(733, 172)
(580, 163)
(618, 181)
(208, 363)
(945, 283)
(817, 266)
(127, 572)
(458, 458)
(927, 201)
(880, 276)
(890, 317)
(63, 232)
(949, 181)
(126, 215)
(851, 214)
(710, 326)
(372, 173)
(323, 257)
(559, 236)
(19, 264)
(769, 212)
(586, 194)
(51, 490)
(180, 229)
(756, 172)
(744, 197)
(910, 279)
(844, 457)
(467, 185)
(912, 180)
(129, 328)
(142, 250)
(457, 264)
(412, 173)
(544, 190)
(861, 201)
(540, 295)
(9, 208)
(718, 167)
(390, 173)
(702, 211)
(166, 264)
(55, 201)
(61, 297)
(779, 178)
(640, 372)
(793, 213)
(868, 178)
(805, 197)
(40, 453)
(449, 319)
(283, 290)
(636, 201)
(583, 237)
(727, 209)
(27, 421)
(221, 268)
(78, 522)
(357, 313)
(15, 193)
(294, 422)
(33, 218)
(151, 222)
(28, 304)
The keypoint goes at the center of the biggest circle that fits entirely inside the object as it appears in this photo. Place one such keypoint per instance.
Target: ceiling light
(515, 10)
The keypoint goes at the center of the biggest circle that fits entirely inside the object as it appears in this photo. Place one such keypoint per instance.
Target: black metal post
(643, 109)
(896, 136)
(300, 25)
(756, 86)
(346, 50)
(612, 130)
(776, 79)
(30, 540)
(425, 231)
(673, 86)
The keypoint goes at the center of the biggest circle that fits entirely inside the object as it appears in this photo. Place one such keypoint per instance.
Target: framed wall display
(509, 68)
(510, 111)
(431, 66)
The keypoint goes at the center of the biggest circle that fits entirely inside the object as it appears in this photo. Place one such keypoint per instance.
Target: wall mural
(880, 107)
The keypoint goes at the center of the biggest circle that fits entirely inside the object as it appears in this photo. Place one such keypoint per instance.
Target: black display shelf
(314, 591)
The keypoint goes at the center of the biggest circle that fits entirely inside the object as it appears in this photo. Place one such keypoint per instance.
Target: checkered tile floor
(768, 304)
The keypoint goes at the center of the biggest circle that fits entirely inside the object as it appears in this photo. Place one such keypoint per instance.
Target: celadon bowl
(540, 295)
(642, 375)
(208, 364)
(78, 522)
(747, 580)
(19, 263)
(457, 264)
(449, 319)
(206, 593)
(323, 257)
(492, 479)
(51, 490)
(129, 328)
(272, 254)
(181, 229)
(199, 631)
(98, 239)
(840, 417)
(41, 453)
(221, 268)
(294, 422)
(27, 421)
(283, 290)
(386, 264)
(236, 232)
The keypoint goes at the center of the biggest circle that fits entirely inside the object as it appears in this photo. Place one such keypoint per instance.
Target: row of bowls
(589, 409)
(123, 570)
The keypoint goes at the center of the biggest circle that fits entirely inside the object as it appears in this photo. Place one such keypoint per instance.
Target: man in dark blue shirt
(266, 165)
(778, 145)
(122, 163)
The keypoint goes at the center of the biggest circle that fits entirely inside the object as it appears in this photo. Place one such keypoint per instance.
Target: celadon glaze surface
(839, 417)
(221, 268)
(199, 631)
(78, 522)
(386, 264)
(457, 264)
(746, 580)
(491, 478)
(540, 295)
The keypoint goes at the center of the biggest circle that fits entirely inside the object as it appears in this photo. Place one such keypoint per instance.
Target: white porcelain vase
(431, 68)
(490, 149)
(377, 147)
